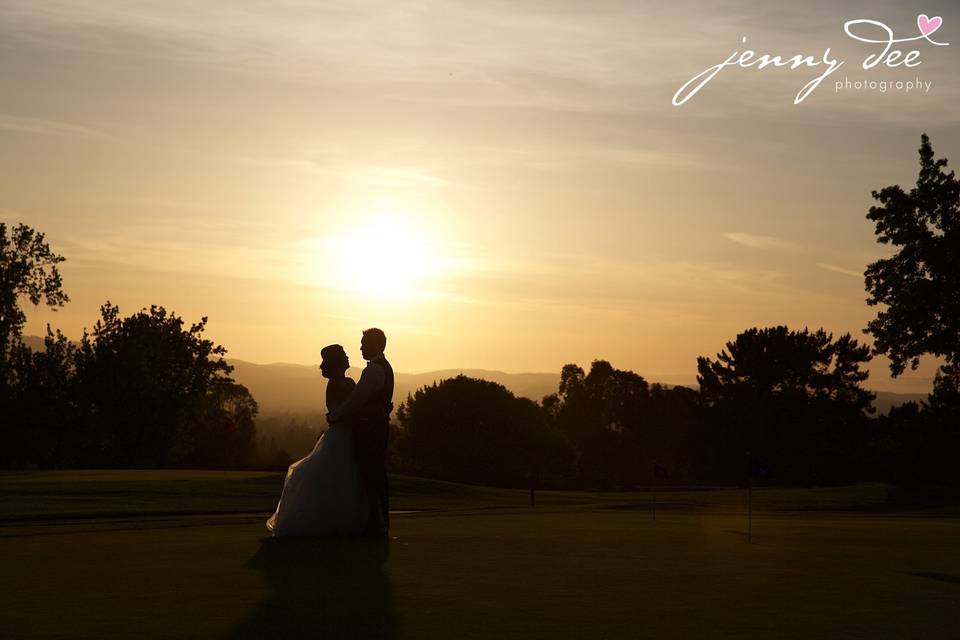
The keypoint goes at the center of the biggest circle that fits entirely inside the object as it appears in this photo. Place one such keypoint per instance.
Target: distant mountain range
(298, 388)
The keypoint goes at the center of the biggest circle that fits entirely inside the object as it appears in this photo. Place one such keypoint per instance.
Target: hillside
(300, 388)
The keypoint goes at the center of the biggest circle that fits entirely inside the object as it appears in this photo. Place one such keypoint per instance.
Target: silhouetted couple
(340, 488)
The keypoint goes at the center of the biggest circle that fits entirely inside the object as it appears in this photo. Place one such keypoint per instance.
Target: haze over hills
(298, 388)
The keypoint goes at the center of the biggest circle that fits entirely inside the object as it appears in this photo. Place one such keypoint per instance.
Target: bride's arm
(338, 392)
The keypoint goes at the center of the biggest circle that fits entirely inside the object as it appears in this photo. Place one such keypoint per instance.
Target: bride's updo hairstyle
(334, 358)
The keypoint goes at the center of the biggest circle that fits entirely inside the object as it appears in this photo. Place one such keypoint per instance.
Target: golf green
(572, 568)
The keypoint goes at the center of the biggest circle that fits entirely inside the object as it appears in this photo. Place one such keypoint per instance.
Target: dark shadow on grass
(933, 575)
(322, 588)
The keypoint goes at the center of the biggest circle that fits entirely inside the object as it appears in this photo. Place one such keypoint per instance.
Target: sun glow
(386, 257)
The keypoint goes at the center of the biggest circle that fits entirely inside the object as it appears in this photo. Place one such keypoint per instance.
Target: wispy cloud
(222, 249)
(836, 269)
(47, 127)
(383, 175)
(761, 242)
(679, 289)
(584, 57)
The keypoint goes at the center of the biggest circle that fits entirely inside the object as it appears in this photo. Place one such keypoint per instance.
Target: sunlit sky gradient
(514, 170)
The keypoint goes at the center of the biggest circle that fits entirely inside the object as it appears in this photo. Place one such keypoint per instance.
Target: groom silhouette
(369, 405)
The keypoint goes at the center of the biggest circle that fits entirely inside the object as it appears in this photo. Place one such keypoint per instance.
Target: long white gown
(323, 493)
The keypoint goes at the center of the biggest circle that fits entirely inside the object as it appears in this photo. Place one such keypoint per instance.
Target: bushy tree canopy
(151, 387)
(137, 391)
(622, 426)
(791, 397)
(28, 269)
(471, 430)
(776, 360)
(919, 285)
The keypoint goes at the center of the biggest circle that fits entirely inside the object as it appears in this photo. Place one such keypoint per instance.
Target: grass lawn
(479, 565)
(31, 495)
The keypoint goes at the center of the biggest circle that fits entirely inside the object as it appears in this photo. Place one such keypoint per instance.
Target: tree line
(793, 399)
(148, 390)
(140, 391)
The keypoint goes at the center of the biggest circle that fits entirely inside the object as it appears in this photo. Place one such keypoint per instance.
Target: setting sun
(387, 256)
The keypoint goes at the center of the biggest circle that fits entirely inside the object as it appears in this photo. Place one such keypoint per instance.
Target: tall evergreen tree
(919, 285)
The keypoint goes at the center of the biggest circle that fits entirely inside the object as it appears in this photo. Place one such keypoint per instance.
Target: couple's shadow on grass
(322, 588)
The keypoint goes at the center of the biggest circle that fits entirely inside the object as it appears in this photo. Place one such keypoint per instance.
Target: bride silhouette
(323, 493)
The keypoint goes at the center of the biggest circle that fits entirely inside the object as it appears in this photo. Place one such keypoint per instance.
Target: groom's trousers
(370, 442)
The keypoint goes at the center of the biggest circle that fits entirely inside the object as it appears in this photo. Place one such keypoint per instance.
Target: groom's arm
(372, 379)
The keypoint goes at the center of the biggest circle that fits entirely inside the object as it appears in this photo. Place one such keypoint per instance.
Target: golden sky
(503, 185)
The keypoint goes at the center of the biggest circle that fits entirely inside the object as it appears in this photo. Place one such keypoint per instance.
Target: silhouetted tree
(226, 435)
(469, 430)
(918, 445)
(28, 269)
(153, 393)
(138, 391)
(41, 414)
(676, 434)
(934, 433)
(919, 285)
(602, 413)
(793, 398)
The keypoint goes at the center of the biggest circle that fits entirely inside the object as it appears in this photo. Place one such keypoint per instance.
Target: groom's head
(373, 343)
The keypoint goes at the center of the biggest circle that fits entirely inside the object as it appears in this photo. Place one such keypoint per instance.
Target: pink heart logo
(928, 25)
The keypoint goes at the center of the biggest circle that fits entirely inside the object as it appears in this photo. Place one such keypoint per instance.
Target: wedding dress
(323, 493)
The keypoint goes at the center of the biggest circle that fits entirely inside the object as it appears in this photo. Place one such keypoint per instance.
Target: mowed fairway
(578, 565)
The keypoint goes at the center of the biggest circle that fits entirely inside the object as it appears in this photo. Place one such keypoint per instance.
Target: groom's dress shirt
(371, 380)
